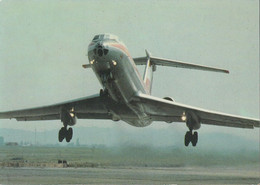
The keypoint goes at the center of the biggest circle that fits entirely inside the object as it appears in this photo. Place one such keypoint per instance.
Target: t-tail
(148, 73)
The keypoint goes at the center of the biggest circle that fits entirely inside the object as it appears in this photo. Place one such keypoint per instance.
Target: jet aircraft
(127, 96)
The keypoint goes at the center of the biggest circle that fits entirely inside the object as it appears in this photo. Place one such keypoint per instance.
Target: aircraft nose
(100, 49)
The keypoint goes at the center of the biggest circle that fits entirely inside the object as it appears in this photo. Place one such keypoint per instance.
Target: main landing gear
(68, 117)
(65, 133)
(191, 138)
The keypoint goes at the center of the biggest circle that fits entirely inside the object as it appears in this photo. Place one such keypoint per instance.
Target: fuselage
(119, 76)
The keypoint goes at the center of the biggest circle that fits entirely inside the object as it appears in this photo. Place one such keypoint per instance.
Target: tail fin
(148, 73)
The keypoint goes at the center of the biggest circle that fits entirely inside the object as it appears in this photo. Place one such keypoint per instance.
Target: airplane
(126, 96)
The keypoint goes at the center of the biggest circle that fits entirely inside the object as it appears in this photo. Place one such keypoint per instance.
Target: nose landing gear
(106, 77)
(103, 92)
(191, 138)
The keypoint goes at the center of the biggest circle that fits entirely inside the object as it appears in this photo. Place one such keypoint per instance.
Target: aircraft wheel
(101, 92)
(187, 138)
(62, 134)
(194, 139)
(69, 135)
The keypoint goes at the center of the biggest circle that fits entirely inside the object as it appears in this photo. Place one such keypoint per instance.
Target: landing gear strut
(65, 133)
(191, 138)
(106, 77)
(103, 92)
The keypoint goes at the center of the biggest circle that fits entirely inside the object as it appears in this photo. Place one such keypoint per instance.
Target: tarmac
(130, 175)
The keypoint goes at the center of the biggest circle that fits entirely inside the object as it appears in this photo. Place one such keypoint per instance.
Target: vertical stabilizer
(148, 73)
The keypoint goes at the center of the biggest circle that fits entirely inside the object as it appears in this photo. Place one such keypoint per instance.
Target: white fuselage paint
(118, 73)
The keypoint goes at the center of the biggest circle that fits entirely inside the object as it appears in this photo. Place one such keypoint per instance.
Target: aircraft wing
(92, 107)
(164, 110)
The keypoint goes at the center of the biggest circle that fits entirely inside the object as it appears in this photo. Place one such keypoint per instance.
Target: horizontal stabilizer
(174, 63)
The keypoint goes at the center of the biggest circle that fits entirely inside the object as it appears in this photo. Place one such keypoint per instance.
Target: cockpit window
(106, 37)
(113, 37)
(96, 37)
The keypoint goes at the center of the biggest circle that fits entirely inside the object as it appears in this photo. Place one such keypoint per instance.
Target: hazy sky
(44, 43)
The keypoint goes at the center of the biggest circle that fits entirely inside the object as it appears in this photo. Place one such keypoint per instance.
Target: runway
(130, 175)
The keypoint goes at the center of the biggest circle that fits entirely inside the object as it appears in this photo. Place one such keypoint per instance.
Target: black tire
(101, 92)
(194, 140)
(69, 135)
(62, 134)
(187, 139)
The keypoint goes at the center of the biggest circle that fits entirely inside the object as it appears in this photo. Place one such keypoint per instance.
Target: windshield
(105, 36)
(96, 38)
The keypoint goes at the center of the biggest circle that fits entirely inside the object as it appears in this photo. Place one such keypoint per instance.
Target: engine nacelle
(68, 117)
(169, 98)
(192, 121)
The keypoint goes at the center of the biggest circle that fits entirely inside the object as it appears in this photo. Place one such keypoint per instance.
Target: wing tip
(257, 125)
(226, 71)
